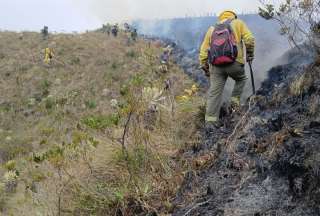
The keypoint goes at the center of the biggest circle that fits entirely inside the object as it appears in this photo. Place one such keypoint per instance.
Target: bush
(91, 104)
(101, 121)
(136, 158)
(114, 65)
(124, 90)
(50, 102)
(75, 61)
(10, 165)
(131, 54)
(6, 107)
(45, 85)
(299, 20)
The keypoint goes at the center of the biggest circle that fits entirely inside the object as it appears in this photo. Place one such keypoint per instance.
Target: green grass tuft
(101, 121)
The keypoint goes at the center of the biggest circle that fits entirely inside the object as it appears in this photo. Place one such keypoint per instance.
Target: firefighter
(214, 66)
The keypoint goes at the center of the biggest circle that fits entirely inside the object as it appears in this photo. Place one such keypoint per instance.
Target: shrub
(131, 54)
(6, 107)
(75, 61)
(50, 102)
(101, 121)
(45, 85)
(299, 19)
(91, 104)
(47, 131)
(10, 179)
(114, 65)
(10, 165)
(37, 176)
(124, 90)
(137, 80)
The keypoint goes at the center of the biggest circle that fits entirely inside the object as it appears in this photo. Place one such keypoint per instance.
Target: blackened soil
(271, 164)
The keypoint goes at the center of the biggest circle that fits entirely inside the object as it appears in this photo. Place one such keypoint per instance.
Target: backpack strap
(228, 22)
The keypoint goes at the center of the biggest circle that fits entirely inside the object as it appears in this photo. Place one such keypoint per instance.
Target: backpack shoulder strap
(229, 21)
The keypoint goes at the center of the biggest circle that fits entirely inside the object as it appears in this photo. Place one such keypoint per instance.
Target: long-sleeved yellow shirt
(243, 36)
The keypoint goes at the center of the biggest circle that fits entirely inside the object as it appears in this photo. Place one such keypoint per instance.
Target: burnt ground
(266, 162)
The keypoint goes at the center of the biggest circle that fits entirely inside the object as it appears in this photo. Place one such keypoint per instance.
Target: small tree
(299, 20)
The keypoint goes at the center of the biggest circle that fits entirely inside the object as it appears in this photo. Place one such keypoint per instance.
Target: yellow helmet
(228, 12)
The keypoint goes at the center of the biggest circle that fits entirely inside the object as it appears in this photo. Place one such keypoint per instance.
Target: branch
(125, 131)
(230, 138)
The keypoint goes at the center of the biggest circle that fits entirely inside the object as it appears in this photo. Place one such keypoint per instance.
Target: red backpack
(223, 47)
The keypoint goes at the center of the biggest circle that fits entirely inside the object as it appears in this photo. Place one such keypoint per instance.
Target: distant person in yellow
(48, 55)
(222, 56)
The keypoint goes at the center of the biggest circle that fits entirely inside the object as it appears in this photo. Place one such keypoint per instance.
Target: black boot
(212, 134)
(212, 127)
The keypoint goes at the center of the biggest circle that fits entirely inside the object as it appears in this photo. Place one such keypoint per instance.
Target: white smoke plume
(121, 10)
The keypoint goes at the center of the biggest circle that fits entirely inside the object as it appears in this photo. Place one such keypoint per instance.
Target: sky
(80, 15)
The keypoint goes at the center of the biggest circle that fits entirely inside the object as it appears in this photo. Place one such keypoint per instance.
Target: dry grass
(43, 115)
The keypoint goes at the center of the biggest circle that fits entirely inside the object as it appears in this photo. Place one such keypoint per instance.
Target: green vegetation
(101, 122)
(91, 104)
(131, 54)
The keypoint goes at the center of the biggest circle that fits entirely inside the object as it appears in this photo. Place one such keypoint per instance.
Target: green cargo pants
(218, 78)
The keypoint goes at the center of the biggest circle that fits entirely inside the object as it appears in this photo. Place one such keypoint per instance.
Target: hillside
(103, 130)
(93, 132)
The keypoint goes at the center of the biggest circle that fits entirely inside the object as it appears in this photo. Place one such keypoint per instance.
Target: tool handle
(252, 79)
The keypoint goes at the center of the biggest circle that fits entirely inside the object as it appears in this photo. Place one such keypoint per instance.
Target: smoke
(121, 10)
(159, 18)
(189, 32)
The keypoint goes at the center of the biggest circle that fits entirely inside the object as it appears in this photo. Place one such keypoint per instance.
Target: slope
(94, 131)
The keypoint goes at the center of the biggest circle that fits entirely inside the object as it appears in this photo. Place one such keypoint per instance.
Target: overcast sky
(79, 15)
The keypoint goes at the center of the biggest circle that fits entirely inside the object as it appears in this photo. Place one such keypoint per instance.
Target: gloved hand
(205, 68)
(250, 54)
(250, 58)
